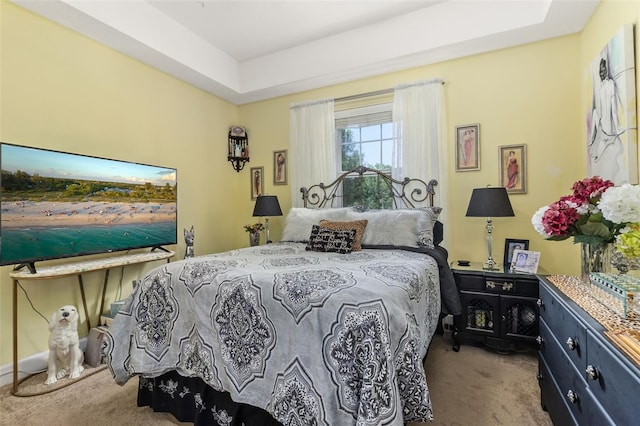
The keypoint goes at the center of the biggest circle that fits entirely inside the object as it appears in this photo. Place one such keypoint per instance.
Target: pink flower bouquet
(581, 215)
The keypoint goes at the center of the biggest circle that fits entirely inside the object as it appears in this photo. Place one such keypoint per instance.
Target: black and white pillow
(331, 240)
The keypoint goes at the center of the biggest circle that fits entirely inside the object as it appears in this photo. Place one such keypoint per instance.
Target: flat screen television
(57, 205)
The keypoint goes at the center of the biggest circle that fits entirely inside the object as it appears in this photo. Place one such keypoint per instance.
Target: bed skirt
(189, 399)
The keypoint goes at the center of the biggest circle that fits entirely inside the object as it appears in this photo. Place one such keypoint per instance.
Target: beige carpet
(471, 387)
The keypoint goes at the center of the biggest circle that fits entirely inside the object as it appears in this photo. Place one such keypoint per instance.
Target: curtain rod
(364, 95)
(380, 92)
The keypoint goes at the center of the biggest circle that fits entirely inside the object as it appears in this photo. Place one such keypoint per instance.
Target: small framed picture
(280, 167)
(257, 182)
(513, 168)
(510, 245)
(467, 147)
(525, 261)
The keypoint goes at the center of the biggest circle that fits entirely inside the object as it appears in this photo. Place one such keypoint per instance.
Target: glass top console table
(70, 269)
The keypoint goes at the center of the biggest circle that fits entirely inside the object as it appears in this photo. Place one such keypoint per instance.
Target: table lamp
(267, 205)
(489, 202)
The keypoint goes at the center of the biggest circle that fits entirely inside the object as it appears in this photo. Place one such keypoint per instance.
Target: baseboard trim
(27, 366)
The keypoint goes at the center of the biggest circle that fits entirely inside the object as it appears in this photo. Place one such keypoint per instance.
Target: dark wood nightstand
(499, 308)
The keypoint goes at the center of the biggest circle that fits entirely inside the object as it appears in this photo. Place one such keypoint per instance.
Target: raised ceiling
(245, 51)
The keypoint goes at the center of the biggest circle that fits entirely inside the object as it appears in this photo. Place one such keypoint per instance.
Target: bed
(330, 326)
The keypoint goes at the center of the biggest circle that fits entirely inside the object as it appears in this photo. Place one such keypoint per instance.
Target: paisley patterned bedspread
(334, 339)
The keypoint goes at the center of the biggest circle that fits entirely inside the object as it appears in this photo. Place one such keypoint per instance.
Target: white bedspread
(334, 338)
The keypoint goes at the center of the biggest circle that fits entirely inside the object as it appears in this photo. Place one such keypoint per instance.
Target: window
(364, 137)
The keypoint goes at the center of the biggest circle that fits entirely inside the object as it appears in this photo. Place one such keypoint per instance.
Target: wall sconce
(267, 205)
(487, 202)
(238, 149)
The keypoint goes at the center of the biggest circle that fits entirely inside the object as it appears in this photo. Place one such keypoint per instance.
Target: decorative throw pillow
(300, 219)
(330, 240)
(357, 225)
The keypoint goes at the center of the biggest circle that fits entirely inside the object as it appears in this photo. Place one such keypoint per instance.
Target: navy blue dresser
(584, 378)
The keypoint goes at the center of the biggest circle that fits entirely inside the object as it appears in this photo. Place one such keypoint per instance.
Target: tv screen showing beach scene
(57, 205)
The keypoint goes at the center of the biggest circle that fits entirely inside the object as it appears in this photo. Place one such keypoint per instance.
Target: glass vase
(254, 239)
(595, 258)
(624, 264)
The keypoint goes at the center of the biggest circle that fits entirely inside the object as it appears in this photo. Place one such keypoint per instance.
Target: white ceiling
(245, 51)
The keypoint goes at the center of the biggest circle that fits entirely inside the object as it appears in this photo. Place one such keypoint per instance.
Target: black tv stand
(30, 265)
(161, 249)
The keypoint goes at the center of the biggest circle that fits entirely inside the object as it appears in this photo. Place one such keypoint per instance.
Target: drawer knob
(539, 339)
(592, 372)
(572, 343)
(540, 303)
(572, 397)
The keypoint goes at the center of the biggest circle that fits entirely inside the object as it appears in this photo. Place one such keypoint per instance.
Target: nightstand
(499, 308)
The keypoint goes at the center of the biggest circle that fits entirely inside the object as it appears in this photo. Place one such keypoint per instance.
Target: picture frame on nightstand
(525, 261)
(510, 245)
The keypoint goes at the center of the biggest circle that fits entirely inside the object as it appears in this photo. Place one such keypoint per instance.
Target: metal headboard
(406, 193)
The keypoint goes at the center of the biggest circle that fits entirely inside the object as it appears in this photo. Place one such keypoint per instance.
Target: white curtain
(312, 146)
(420, 137)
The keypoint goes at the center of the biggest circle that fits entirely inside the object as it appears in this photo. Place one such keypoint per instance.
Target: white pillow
(401, 227)
(425, 233)
(392, 227)
(300, 220)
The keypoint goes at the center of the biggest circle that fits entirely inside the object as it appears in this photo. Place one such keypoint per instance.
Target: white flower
(621, 204)
(536, 221)
(582, 208)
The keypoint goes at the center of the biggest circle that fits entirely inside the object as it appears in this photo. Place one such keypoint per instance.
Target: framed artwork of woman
(610, 87)
(280, 167)
(257, 182)
(467, 147)
(513, 171)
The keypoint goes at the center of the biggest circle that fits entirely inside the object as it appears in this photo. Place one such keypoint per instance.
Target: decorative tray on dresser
(589, 364)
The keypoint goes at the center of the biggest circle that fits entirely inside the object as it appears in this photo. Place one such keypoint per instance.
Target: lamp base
(490, 264)
(491, 267)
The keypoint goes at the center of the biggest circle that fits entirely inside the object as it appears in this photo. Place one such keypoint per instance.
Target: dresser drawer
(617, 386)
(499, 284)
(527, 287)
(567, 377)
(551, 397)
(554, 400)
(566, 327)
(470, 282)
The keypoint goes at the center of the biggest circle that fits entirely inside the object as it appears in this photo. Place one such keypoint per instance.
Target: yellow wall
(525, 95)
(529, 95)
(63, 91)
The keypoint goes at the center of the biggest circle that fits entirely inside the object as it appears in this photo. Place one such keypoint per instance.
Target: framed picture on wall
(513, 168)
(611, 117)
(467, 147)
(510, 245)
(257, 182)
(280, 167)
